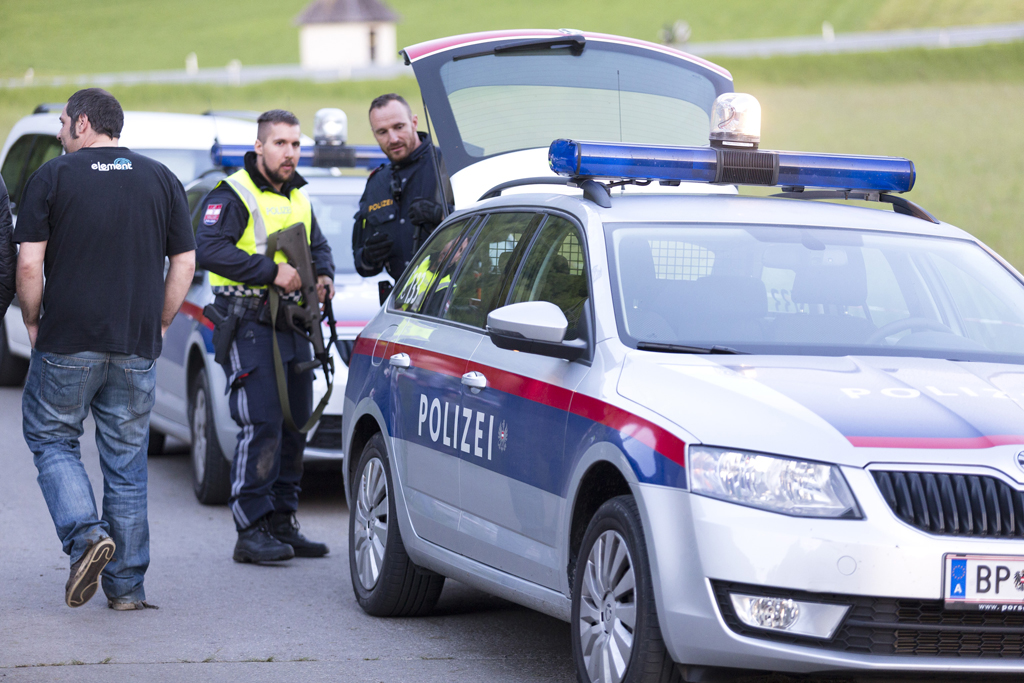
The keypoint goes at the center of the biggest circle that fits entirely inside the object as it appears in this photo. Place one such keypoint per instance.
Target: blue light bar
(730, 166)
(232, 156)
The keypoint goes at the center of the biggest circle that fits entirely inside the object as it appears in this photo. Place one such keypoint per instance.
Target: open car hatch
(496, 100)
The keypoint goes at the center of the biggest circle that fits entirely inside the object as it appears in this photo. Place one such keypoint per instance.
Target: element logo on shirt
(212, 214)
(120, 164)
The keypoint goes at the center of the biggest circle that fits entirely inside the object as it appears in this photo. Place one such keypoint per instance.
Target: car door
(27, 154)
(427, 358)
(512, 476)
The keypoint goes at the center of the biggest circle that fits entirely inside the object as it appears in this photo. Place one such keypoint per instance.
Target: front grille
(890, 626)
(328, 434)
(954, 504)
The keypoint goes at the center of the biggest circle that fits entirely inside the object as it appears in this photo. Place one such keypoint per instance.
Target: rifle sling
(282, 380)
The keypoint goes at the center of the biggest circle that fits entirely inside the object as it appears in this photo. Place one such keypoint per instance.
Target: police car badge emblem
(1020, 460)
(212, 214)
(1018, 580)
(503, 435)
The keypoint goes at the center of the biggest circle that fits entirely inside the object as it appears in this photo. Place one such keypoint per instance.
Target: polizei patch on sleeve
(212, 213)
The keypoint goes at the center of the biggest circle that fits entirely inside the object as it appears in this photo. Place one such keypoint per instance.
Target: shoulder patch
(212, 214)
(375, 170)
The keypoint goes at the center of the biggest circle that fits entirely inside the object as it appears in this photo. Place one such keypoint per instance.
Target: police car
(192, 399)
(709, 431)
(179, 141)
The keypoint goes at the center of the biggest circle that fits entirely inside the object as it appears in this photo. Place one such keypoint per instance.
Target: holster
(263, 315)
(224, 328)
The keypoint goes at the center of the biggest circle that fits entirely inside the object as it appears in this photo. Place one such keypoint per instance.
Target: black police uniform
(387, 207)
(267, 466)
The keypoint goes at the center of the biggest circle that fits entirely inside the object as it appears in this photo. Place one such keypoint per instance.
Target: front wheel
(384, 579)
(616, 636)
(211, 473)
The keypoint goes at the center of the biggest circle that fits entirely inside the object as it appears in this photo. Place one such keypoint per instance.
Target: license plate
(984, 582)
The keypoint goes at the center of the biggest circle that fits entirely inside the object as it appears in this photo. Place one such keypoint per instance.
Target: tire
(615, 632)
(13, 369)
(211, 473)
(384, 579)
(156, 442)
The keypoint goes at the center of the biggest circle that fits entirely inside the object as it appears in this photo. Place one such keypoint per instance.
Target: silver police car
(709, 431)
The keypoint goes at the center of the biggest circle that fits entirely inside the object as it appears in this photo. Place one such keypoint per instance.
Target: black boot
(285, 528)
(257, 544)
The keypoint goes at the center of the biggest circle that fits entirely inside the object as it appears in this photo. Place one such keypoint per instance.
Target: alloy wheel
(199, 434)
(608, 609)
(371, 523)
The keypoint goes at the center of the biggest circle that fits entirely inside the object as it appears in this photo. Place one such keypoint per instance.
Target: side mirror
(534, 327)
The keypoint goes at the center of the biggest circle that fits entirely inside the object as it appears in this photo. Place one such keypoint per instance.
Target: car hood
(356, 301)
(838, 409)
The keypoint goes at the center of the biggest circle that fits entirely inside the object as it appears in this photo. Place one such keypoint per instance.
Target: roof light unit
(735, 122)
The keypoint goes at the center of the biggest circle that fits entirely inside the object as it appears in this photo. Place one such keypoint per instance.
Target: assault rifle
(304, 318)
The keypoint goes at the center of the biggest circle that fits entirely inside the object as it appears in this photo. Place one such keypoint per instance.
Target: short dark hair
(101, 108)
(269, 118)
(383, 100)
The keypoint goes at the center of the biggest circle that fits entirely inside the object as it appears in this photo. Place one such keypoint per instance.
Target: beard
(281, 175)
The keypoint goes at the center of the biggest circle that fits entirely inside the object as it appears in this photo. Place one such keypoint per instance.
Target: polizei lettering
(442, 421)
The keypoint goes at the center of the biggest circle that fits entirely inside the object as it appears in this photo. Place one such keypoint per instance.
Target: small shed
(346, 34)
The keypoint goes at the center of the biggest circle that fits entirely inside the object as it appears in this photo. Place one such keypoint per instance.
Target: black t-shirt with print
(109, 217)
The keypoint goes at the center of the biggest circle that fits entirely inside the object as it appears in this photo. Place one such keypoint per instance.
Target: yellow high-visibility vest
(269, 212)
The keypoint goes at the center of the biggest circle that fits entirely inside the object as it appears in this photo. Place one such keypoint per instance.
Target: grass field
(954, 112)
(60, 37)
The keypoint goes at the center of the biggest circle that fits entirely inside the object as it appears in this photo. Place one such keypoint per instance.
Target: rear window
(511, 102)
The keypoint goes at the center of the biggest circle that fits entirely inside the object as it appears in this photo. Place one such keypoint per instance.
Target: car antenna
(437, 165)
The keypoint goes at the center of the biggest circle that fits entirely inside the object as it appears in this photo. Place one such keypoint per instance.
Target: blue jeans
(120, 390)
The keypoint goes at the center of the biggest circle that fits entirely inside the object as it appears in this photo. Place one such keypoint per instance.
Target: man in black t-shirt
(99, 223)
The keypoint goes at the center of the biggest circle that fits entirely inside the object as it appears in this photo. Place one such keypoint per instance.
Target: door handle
(400, 360)
(474, 380)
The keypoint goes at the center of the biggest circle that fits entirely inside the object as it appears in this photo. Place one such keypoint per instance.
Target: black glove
(426, 213)
(377, 248)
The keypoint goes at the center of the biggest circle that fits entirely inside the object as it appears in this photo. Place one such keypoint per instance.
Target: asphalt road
(222, 621)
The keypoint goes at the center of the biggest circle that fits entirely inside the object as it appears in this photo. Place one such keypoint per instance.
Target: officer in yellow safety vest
(231, 242)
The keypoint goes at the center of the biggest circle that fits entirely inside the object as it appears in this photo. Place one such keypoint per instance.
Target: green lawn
(60, 37)
(954, 112)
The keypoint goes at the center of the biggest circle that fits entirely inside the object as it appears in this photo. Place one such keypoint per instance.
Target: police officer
(231, 242)
(401, 204)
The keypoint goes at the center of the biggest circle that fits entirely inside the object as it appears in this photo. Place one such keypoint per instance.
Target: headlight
(792, 487)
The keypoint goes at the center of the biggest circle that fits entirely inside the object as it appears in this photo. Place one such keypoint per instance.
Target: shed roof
(344, 11)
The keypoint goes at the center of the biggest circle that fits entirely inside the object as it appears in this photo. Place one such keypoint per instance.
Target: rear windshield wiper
(680, 348)
(573, 43)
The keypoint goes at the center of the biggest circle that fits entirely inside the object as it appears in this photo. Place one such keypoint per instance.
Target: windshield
(814, 291)
(184, 163)
(335, 214)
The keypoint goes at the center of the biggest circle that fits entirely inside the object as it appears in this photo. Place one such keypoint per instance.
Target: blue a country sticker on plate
(958, 579)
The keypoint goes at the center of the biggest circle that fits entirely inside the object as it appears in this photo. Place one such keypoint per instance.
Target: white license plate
(984, 582)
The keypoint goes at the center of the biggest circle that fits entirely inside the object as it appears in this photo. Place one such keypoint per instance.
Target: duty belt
(241, 306)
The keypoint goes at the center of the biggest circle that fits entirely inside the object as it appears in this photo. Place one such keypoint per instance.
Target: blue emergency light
(730, 166)
(352, 156)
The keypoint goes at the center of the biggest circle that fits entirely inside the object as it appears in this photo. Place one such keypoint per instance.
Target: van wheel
(616, 637)
(384, 579)
(12, 368)
(211, 473)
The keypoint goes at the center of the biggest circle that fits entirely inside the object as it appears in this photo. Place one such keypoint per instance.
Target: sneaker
(85, 573)
(285, 528)
(128, 606)
(257, 544)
